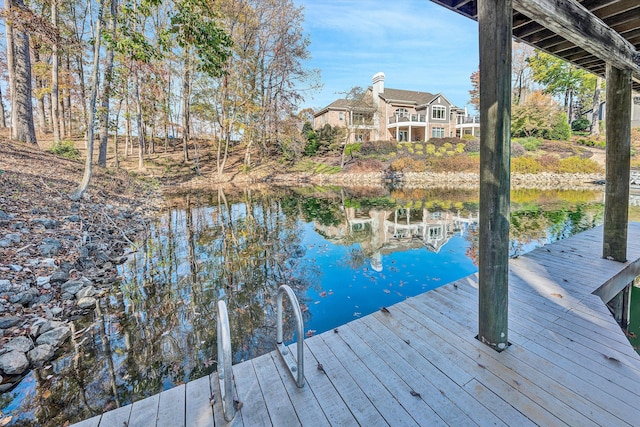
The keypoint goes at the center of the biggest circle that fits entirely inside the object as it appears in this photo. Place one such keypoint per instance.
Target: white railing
(295, 365)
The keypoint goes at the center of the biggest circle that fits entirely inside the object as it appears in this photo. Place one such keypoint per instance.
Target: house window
(402, 112)
(358, 118)
(438, 112)
(341, 115)
(437, 132)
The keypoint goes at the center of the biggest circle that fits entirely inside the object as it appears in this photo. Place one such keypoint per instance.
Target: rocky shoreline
(58, 257)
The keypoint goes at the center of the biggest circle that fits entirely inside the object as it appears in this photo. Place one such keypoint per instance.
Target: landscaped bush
(530, 143)
(458, 163)
(468, 137)
(65, 149)
(460, 148)
(592, 143)
(525, 165)
(575, 164)
(560, 129)
(439, 142)
(580, 125)
(407, 164)
(364, 165)
(379, 147)
(517, 150)
(353, 148)
(430, 149)
(549, 163)
(472, 146)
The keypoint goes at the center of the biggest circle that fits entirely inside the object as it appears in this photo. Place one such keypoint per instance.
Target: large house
(385, 114)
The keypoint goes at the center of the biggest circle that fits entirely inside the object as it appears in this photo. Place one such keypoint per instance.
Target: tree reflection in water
(156, 328)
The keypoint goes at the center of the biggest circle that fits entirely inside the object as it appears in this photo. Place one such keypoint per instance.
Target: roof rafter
(578, 25)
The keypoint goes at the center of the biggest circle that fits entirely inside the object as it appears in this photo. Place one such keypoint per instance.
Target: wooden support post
(620, 306)
(618, 152)
(494, 19)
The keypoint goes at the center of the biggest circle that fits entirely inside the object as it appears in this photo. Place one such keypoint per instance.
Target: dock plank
(144, 413)
(198, 407)
(171, 408)
(281, 410)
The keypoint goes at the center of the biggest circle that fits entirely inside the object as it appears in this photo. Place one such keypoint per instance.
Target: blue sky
(416, 43)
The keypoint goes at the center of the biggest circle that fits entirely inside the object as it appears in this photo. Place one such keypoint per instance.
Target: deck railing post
(618, 162)
(495, 20)
(295, 365)
(225, 371)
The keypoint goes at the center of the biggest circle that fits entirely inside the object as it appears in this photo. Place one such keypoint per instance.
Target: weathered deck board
(420, 364)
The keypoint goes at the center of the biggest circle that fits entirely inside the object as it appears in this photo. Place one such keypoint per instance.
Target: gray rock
(24, 298)
(47, 223)
(59, 276)
(14, 237)
(22, 344)
(72, 218)
(55, 337)
(4, 215)
(41, 326)
(5, 243)
(9, 321)
(16, 225)
(5, 285)
(87, 302)
(43, 280)
(41, 354)
(43, 299)
(72, 286)
(47, 262)
(66, 296)
(50, 247)
(4, 387)
(16, 268)
(89, 291)
(14, 362)
(56, 311)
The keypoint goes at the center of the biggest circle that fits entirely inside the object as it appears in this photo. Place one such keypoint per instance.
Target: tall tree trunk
(86, 178)
(595, 112)
(106, 91)
(139, 121)
(55, 95)
(3, 121)
(42, 117)
(19, 64)
(186, 95)
(115, 137)
(67, 103)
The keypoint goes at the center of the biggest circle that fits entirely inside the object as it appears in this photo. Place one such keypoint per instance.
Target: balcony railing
(463, 120)
(420, 118)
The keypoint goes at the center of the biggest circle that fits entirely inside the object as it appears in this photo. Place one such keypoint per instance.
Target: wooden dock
(420, 364)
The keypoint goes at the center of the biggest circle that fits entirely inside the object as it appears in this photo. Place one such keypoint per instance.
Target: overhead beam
(577, 24)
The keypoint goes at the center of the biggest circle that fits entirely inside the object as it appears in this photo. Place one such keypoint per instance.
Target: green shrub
(418, 146)
(517, 150)
(65, 149)
(468, 137)
(580, 125)
(525, 165)
(560, 129)
(353, 148)
(441, 150)
(460, 148)
(430, 149)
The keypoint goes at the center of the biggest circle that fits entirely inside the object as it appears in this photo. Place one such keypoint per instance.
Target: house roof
(407, 96)
(622, 16)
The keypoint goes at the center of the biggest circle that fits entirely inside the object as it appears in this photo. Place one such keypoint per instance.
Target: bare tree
(595, 112)
(86, 178)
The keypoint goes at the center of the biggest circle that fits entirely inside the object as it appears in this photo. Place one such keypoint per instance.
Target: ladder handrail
(225, 371)
(295, 365)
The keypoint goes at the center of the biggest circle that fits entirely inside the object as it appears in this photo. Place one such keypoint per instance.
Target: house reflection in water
(381, 232)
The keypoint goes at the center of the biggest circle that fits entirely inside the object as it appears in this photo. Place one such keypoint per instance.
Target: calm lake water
(345, 252)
